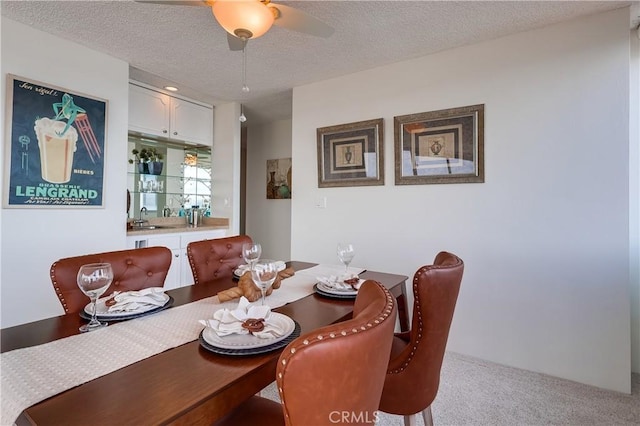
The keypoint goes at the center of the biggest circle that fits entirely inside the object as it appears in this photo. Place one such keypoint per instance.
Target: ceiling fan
(248, 19)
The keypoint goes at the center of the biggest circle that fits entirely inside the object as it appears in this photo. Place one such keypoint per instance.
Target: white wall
(634, 197)
(32, 239)
(545, 239)
(225, 163)
(268, 221)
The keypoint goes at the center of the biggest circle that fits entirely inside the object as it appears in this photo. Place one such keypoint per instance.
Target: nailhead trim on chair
(384, 316)
(56, 286)
(416, 279)
(192, 266)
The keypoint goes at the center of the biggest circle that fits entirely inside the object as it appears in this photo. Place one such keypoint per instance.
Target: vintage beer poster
(55, 148)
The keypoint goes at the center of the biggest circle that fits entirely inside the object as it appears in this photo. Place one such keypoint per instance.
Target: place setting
(94, 279)
(343, 285)
(250, 328)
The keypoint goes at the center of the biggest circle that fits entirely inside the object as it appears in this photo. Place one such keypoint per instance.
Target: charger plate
(335, 294)
(249, 341)
(103, 315)
(255, 350)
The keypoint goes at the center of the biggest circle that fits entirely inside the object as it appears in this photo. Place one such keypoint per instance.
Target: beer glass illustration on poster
(56, 149)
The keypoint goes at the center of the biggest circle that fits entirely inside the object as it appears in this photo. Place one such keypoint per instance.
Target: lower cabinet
(180, 271)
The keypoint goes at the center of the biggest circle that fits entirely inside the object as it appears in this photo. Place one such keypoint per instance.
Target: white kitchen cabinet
(180, 271)
(149, 111)
(158, 114)
(172, 242)
(191, 122)
(173, 279)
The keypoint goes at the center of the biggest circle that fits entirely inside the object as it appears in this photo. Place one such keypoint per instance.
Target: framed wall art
(55, 145)
(279, 179)
(445, 146)
(351, 154)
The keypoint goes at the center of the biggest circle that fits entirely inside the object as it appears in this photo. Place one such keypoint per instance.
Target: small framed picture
(279, 179)
(445, 146)
(351, 154)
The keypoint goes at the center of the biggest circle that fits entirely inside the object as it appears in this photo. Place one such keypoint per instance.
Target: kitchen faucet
(141, 220)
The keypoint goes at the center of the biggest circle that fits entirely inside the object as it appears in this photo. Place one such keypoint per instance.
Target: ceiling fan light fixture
(243, 18)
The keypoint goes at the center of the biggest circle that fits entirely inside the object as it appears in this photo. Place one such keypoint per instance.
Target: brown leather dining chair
(331, 375)
(413, 375)
(215, 258)
(133, 269)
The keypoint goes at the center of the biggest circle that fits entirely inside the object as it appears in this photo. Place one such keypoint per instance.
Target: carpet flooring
(475, 392)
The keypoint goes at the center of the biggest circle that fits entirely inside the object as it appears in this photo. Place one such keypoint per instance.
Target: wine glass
(346, 252)
(94, 279)
(251, 253)
(264, 273)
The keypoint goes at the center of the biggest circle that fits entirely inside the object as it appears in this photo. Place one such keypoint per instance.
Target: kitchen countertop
(173, 225)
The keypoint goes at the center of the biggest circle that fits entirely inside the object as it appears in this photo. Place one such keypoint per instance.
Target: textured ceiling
(185, 46)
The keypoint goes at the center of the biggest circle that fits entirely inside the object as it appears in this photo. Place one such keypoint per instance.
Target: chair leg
(410, 420)
(426, 416)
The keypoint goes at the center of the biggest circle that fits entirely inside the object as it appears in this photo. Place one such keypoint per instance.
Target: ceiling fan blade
(297, 20)
(235, 43)
(175, 2)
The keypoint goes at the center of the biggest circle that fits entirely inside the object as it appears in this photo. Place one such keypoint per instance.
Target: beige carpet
(475, 392)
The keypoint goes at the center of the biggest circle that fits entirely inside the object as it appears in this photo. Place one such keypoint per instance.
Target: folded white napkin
(336, 282)
(227, 321)
(240, 270)
(128, 301)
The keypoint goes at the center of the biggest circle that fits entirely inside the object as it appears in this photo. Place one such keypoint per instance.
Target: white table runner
(30, 375)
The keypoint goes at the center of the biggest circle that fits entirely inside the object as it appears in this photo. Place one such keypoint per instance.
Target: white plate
(102, 310)
(331, 290)
(248, 341)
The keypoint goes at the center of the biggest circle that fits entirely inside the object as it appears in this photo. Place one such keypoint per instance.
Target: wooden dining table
(186, 385)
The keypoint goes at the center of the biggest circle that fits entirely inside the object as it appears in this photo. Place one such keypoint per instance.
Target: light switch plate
(321, 202)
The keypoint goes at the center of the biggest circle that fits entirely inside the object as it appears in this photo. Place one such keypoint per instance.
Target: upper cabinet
(158, 114)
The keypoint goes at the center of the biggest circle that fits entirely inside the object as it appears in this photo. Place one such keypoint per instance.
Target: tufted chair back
(133, 269)
(340, 368)
(413, 375)
(216, 258)
(331, 375)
